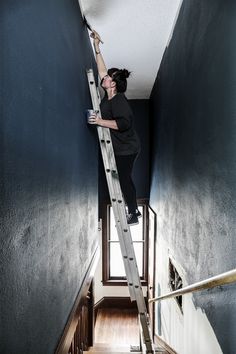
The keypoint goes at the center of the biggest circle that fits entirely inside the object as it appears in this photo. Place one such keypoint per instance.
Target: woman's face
(107, 82)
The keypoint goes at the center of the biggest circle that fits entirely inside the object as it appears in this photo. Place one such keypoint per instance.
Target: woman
(117, 115)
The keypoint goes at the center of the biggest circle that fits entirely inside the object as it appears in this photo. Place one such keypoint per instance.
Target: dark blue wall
(48, 171)
(140, 109)
(193, 179)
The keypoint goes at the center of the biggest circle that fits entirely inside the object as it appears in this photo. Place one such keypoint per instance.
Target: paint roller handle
(96, 37)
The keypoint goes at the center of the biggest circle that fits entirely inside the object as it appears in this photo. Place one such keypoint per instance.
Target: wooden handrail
(222, 279)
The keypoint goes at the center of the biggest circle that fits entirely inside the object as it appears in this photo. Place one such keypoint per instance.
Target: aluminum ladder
(123, 230)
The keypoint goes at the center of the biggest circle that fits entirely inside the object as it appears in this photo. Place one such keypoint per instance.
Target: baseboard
(115, 302)
(160, 342)
(70, 328)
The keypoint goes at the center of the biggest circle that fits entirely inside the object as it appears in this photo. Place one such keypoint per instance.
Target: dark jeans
(125, 165)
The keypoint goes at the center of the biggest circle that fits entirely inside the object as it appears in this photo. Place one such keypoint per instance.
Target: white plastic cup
(89, 113)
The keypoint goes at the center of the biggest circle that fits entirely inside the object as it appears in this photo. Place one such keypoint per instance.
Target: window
(175, 282)
(113, 267)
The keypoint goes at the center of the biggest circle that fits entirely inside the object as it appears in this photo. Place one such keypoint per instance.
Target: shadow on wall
(193, 161)
(48, 164)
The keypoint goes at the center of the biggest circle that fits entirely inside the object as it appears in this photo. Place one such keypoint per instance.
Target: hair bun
(119, 76)
(125, 73)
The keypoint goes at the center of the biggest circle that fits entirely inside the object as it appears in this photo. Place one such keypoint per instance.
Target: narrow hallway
(60, 259)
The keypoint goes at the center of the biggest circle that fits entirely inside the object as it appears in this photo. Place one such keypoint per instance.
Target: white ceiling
(135, 35)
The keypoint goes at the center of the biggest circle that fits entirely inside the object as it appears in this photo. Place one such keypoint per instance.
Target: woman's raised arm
(102, 70)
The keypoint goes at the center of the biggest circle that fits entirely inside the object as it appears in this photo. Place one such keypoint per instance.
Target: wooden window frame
(121, 281)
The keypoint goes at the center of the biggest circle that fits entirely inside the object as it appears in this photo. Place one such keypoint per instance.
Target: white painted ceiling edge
(135, 35)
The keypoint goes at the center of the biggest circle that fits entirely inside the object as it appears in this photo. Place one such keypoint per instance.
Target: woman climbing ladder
(117, 115)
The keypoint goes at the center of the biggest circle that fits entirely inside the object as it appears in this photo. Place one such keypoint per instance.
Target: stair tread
(109, 350)
(118, 347)
(102, 352)
(101, 348)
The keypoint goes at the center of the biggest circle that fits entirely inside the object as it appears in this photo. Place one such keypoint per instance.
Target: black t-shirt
(125, 140)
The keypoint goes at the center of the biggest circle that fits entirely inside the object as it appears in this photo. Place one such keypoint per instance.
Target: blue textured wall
(193, 178)
(140, 109)
(48, 171)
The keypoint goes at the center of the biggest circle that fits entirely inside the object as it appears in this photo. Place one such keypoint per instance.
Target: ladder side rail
(121, 206)
(123, 230)
(117, 200)
(124, 234)
(146, 333)
(114, 203)
(104, 135)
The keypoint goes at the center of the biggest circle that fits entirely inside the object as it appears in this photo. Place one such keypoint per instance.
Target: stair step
(105, 352)
(104, 348)
(100, 351)
(107, 348)
(115, 352)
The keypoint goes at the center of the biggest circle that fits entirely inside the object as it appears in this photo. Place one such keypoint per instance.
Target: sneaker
(137, 213)
(132, 219)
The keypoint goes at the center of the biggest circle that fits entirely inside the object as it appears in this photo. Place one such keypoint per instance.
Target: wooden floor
(117, 327)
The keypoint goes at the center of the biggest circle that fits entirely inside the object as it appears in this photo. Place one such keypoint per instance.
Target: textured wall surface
(193, 174)
(140, 109)
(48, 171)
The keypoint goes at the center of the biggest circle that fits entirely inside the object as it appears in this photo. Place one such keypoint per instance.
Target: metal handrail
(221, 279)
